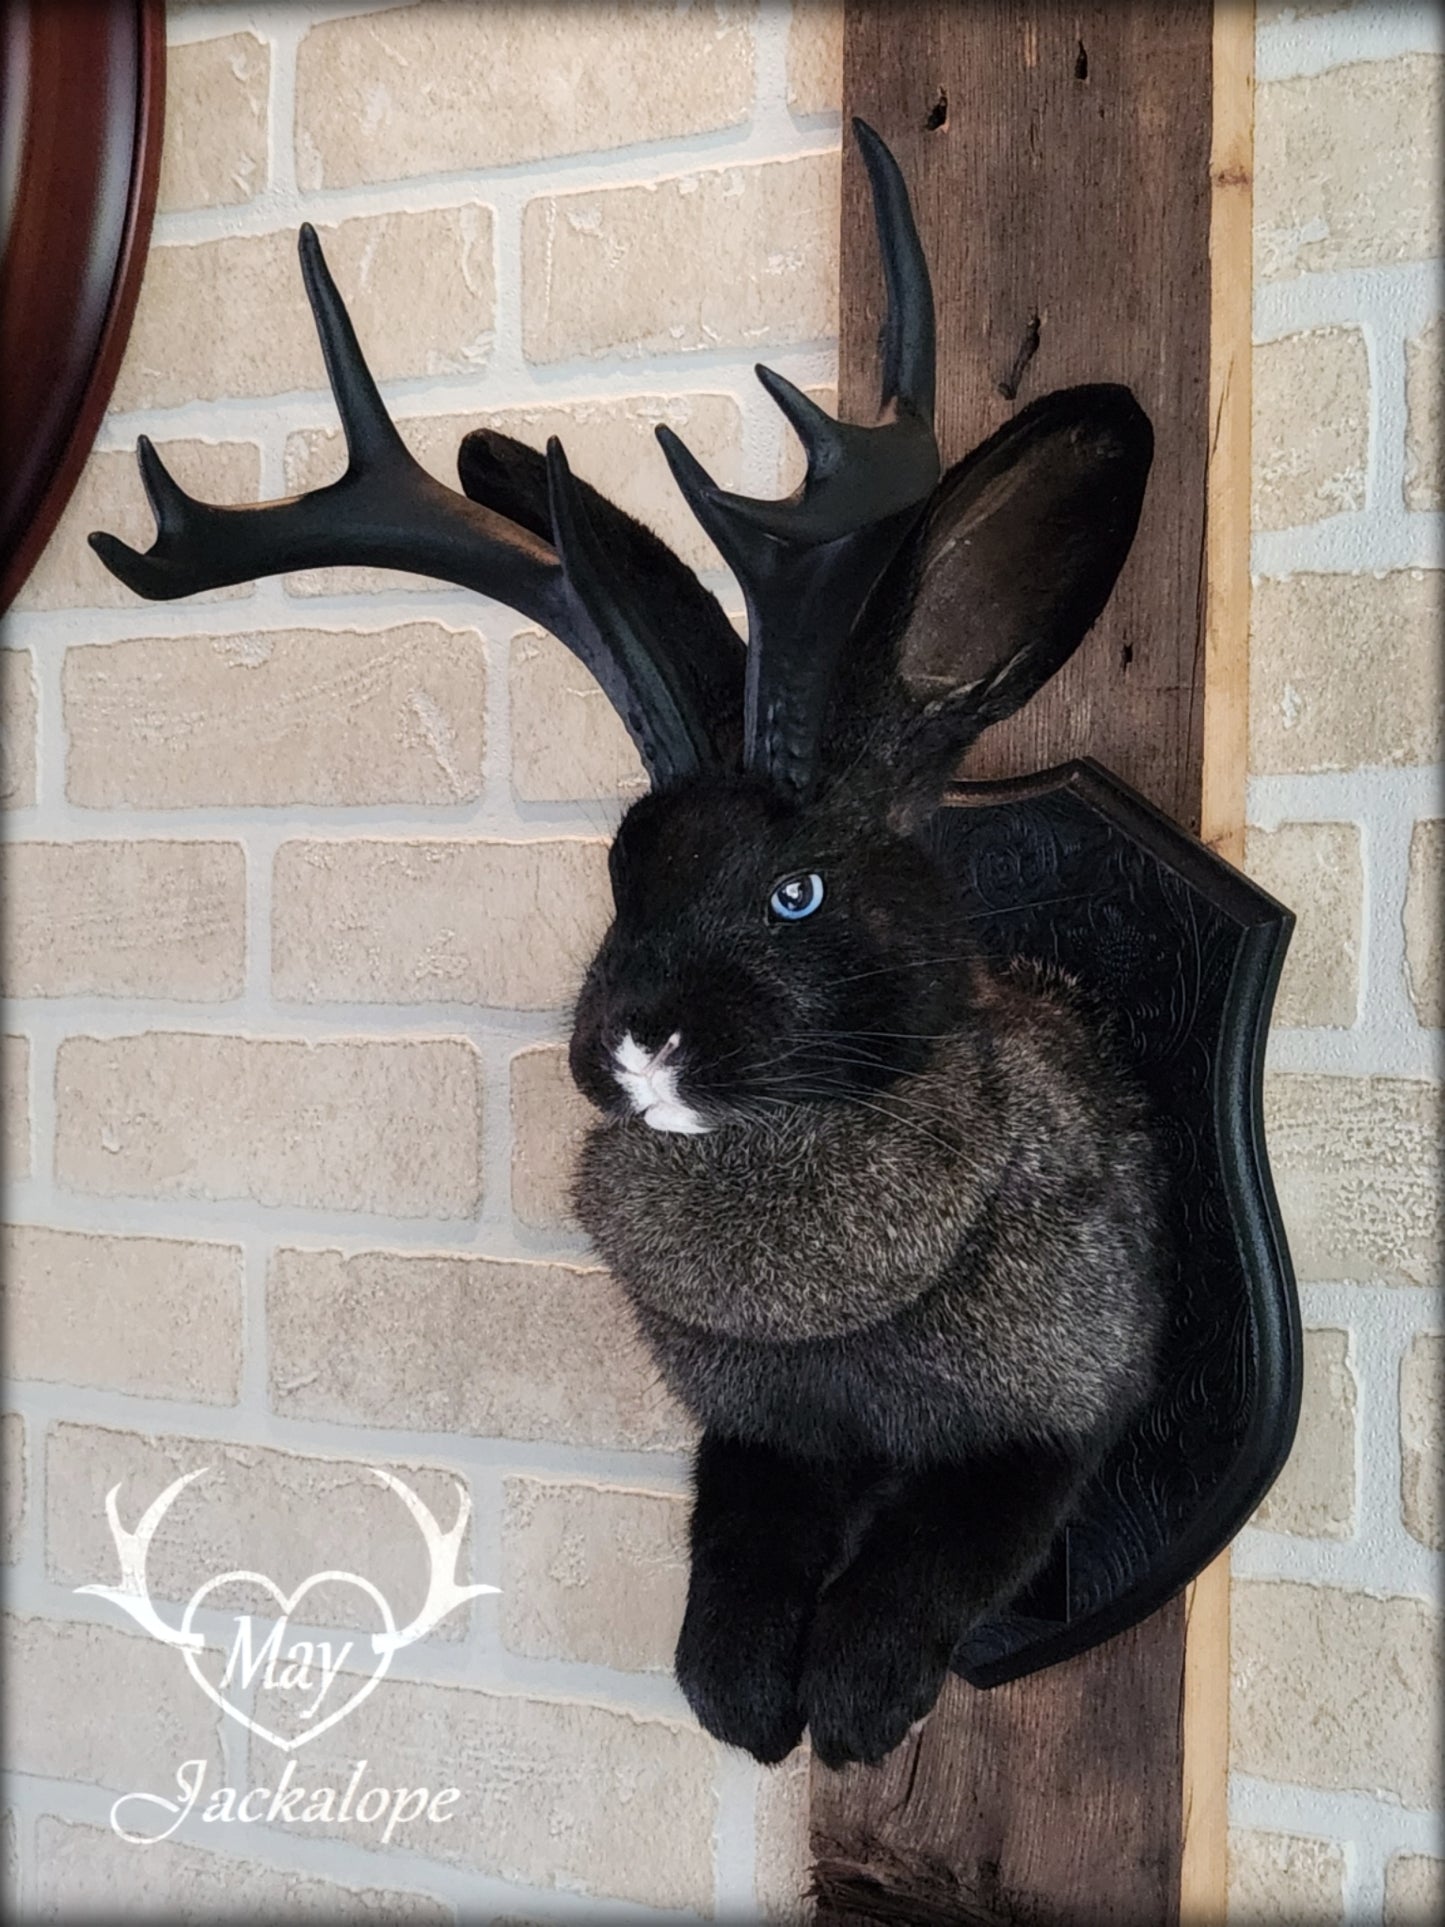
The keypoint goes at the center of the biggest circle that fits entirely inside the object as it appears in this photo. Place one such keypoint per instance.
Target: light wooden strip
(1203, 1864)
(1227, 523)
(1203, 1874)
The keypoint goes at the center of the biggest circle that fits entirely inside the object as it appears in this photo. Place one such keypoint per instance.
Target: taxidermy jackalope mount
(888, 1196)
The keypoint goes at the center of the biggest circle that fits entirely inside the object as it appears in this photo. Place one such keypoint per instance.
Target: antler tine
(909, 341)
(807, 564)
(384, 511)
(387, 512)
(371, 434)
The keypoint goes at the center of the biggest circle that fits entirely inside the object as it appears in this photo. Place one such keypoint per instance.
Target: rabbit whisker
(850, 1096)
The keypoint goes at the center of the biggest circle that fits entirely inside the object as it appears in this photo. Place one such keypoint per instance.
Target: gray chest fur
(968, 1258)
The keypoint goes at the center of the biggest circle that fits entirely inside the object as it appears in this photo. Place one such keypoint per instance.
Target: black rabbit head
(764, 951)
(781, 934)
(785, 937)
(775, 943)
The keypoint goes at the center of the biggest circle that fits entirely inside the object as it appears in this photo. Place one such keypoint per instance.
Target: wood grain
(1225, 749)
(1063, 198)
(1204, 1848)
(1051, 1802)
(1079, 192)
(1203, 1876)
(82, 94)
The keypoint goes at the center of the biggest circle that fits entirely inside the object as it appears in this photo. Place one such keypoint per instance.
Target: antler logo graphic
(132, 1595)
(443, 1592)
(300, 1667)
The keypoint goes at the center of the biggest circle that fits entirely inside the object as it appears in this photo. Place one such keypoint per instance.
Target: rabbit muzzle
(649, 1081)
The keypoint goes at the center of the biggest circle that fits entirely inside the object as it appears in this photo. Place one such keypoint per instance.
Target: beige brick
(89, 1873)
(1347, 167)
(549, 1117)
(1424, 949)
(214, 153)
(784, 1863)
(14, 1107)
(154, 1316)
(815, 57)
(593, 1572)
(1315, 868)
(1336, 1690)
(331, 717)
(151, 918)
(110, 496)
(740, 256)
(462, 1344)
(1414, 1890)
(1354, 1161)
(1345, 670)
(13, 1483)
(1314, 1496)
(561, 1794)
(568, 742)
(282, 1514)
(1311, 426)
(1425, 418)
(1422, 1438)
(18, 716)
(116, 1709)
(610, 443)
(1281, 1879)
(438, 88)
(1270, 12)
(442, 921)
(229, 317)
(340, 1124)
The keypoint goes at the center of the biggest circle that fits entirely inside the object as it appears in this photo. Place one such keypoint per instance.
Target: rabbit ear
(707, 654)
(1023, 542)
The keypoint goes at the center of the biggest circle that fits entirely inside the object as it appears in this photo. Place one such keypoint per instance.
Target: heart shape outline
(288, 1606)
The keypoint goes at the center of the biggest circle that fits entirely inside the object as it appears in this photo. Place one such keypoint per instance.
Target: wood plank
(1225, 748)
(1065, 202)
(1081, 185)
(1051, 1802)
(1203, 1878)
(1204, 1848)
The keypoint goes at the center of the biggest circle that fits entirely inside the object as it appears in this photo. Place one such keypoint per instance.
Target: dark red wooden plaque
(82, 96)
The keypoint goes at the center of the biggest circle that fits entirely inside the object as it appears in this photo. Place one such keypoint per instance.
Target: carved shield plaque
(1182, 953)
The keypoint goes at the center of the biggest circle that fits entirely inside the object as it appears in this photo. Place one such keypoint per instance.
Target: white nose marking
(637, 1061)
(651, 1088)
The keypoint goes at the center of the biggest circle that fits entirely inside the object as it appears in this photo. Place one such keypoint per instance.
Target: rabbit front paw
(739, 1674)
(868, 1677)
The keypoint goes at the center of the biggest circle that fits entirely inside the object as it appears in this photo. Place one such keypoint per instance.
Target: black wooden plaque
(1183, 952)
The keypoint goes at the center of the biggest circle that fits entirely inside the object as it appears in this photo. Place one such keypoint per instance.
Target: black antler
(386, 511)
(808, 564)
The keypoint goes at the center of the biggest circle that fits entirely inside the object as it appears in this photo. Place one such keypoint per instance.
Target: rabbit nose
(635, 1054)
(654, 1032)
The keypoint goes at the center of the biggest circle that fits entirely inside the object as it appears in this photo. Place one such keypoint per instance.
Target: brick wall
(302, 873)
(300, 883)
(1335, 1797)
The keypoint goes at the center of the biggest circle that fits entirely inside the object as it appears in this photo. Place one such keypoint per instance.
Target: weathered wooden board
(1059, 161)
(1054, 1801)
(1075, 176)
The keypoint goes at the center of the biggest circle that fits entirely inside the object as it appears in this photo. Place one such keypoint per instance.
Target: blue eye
(797, 897)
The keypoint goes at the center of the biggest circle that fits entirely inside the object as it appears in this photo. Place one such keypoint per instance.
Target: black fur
(509, 478)
(908, 1280)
